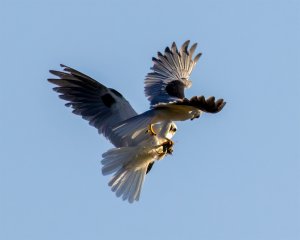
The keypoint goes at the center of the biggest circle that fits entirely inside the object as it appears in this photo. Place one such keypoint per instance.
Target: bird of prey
(103, 108)
(142, 139)
(164, 87)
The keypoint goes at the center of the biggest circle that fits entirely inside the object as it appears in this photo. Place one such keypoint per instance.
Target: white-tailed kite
(142, 139)
(104, 107)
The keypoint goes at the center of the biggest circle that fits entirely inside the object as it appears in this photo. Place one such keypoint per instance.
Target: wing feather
(170, 74)
(209, 105)
(102, 107)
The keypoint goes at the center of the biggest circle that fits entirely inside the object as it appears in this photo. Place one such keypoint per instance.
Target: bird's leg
(168, 146)
(150, 130)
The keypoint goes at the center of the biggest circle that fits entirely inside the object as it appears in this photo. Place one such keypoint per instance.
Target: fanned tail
(129, 174)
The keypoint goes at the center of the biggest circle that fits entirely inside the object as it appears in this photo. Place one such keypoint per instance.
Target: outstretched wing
(171, 73)
(103, 107)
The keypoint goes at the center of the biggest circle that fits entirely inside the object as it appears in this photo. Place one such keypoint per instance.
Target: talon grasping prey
(168, 146)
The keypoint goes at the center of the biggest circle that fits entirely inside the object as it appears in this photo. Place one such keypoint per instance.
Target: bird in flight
(139, 139)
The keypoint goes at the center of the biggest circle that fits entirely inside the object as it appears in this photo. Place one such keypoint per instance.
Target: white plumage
(142, 139)
(130, 164)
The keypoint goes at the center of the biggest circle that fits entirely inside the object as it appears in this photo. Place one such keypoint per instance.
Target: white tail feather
(130, 166)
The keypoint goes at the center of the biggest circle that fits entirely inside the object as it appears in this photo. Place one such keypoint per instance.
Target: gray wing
(170, 74)
(103, 107)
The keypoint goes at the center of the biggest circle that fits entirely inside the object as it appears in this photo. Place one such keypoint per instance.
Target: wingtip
(197, 57)
(220, 104)
(193, 48)
(186, 43)
(54, 72)
(211, 101)
(185, 46)
(174, 48)
(167, 50)
(50, 80)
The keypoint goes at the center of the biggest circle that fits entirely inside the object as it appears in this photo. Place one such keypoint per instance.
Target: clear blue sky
(234, 175)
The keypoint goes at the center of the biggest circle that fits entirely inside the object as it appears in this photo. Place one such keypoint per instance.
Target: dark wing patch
(108, 100)
(93, 101)
(150, 165)
(208, 105)
(176, 89)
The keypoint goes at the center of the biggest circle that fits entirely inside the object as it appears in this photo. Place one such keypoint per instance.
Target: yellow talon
(167, 148)
(150, 130)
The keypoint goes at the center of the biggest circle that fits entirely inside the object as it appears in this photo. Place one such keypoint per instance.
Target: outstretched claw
(168, 146)
(150, 130)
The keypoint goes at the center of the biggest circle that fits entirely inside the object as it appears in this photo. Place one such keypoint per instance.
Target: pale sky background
(233, 176)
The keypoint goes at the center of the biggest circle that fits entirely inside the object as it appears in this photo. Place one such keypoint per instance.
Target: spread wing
(103, 107)
(171, 73)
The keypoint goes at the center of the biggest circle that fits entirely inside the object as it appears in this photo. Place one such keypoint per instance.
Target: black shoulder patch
(116, 92)
(175, 89)
(150, 165)
(108, 100)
